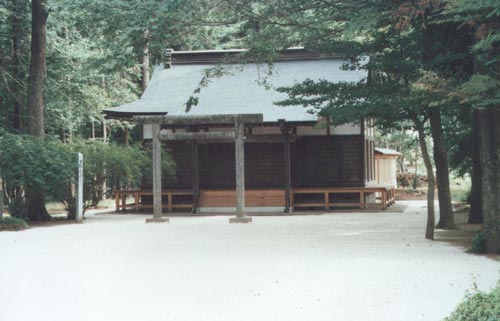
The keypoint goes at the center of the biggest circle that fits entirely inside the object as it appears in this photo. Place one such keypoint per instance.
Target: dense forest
(433, 68)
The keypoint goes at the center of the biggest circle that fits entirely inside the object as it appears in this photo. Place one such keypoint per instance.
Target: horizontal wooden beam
(199, 119)
(277, 139)
(198, 136)
(268, 138)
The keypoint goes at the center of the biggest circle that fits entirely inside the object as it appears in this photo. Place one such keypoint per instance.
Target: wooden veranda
(326, 198)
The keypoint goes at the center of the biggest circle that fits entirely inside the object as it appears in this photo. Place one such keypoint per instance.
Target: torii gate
(238, 135)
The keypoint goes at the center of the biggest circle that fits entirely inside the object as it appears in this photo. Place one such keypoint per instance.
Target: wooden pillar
(117, 200)
(157, 206)
(196, 179)
(170, 202)
(136, 200)
(287, 167)
(239, 157)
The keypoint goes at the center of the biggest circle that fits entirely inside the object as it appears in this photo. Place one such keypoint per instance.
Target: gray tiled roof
(236, 93)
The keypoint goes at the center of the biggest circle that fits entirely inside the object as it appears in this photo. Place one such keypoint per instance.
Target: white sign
(79, 195)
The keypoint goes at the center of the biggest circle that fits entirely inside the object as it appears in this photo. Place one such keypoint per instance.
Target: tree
(482, 92)
(425, 44)
(35, 197)
(14, 47)
(489, 155)
(431, 217)
(39, 14)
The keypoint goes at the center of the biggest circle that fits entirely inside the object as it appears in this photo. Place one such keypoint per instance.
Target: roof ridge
(236, 56)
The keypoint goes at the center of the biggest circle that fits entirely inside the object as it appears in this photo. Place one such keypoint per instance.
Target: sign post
(79, 195)
(1, 198)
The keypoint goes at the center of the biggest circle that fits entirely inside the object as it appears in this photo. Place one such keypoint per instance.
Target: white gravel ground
(342, 266)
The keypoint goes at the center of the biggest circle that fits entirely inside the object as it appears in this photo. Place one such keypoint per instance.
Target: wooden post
(196, 188)
(239, 157)
(287, 167)
(384, 200)
(117, 200)
(288, 181)
(170, 202)
(157, 207)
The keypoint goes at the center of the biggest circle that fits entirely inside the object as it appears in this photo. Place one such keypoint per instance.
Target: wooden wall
(317, 161)
(327, 161)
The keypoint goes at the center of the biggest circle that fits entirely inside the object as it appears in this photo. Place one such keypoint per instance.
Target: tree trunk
(415, 179)
(431, 218)
(35, 204)
(145, 60)
(127, 137)
(17, 33)
(446, 219)
(1, 198)
(35, 196)
(401, 163)
(489, 153)
(104, 131)
(475, 212)
(37, 67)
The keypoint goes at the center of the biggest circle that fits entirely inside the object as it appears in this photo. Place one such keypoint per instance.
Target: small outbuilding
(386, 166)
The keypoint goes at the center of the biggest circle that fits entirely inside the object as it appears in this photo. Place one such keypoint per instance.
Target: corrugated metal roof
(236, 93)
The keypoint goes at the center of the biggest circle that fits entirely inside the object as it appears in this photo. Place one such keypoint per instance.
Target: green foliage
(120, 167)
(466, 197)
(12, 224)
(422, 55)
(483, 15)
(16, 207)
(480, 306)
(478, 243)
(27, 161)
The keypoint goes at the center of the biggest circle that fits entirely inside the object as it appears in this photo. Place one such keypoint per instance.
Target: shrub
(12, 224)
(16, 207)
(29, 162)
(466, 197)
(479, 243)
(121, 167)
(481, 306)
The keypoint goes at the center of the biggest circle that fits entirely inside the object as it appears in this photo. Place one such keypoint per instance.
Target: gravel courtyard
(339, 266)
